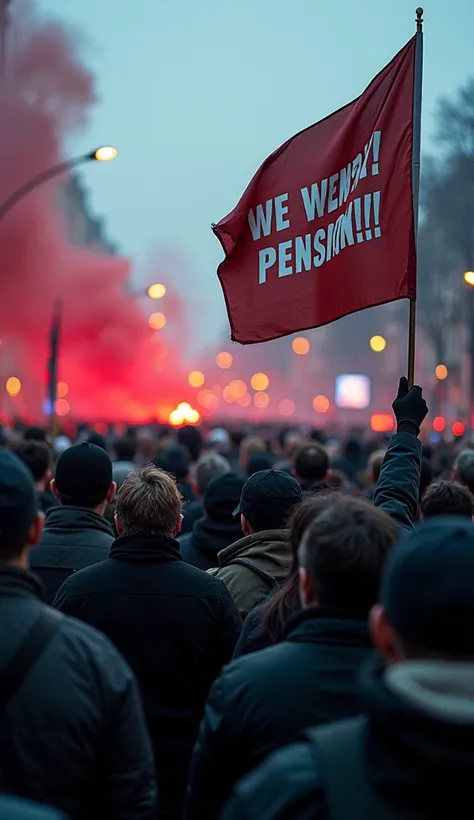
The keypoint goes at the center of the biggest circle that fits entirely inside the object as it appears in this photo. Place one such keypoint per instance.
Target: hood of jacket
(211, 537)
(421, 734)
(270, 548)
(329, 626)
(73, 537)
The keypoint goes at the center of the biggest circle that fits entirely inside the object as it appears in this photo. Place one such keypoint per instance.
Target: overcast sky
(195, 94)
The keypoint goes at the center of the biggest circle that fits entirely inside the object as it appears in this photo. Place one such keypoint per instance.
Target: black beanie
(428, 586)
(83, 475)
(222, 496)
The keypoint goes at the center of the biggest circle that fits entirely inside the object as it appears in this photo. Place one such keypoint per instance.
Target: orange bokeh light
(224, 360)
(228, 394)
(13, 386)
(321, 404)
(62, 407)
(301, 345)
(458, 428)
(439, 424)
(196, 378)
(208, 399)
(381, 422)
(441, 372)
(62, 389)
(244, 400)
(261, 400)
(184, 414)
(259, 381)
(157, 321)
(287, 407)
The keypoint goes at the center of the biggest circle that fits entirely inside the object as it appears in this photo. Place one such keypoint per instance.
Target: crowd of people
(252, 625)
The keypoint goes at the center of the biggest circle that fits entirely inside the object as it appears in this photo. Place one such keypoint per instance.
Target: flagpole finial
(419, 20)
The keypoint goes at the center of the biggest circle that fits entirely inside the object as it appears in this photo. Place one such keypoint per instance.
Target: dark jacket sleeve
(129, 773)
(398, 486)
(211, 774)
(61, 599)
(285, 786)
(230, 628)
(251, 636)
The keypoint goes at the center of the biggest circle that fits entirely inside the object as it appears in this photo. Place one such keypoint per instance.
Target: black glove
(409, 407)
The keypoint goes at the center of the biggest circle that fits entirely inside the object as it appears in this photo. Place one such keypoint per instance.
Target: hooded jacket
(175, 625)
(73, 538)
(269, 552)
(263, 701)
(416, 743)
(202, 546)
(73, 734)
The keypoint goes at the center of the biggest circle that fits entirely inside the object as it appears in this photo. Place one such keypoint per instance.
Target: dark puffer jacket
(73, 735)
(264, 700)
(73, 538)
(175, 625)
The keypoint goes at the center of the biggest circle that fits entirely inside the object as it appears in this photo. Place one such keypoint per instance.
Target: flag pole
(416, 156)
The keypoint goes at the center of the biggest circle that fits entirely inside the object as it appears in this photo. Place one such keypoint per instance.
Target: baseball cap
(84, 474)
(428, 586)
(18, 504)
(222, 494)
(267, 499)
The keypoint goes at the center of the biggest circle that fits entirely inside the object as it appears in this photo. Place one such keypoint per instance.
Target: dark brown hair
(286, 601)
(149, 501)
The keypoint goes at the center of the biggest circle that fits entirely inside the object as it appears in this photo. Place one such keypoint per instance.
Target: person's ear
(307, 596)
(118, 524)
(54, 489)
(245, 525)
(383, 635)
(48, 476)
(34, 533)
(111, 492)
(179, 524)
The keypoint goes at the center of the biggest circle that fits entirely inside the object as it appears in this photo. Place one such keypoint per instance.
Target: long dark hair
(286, 601)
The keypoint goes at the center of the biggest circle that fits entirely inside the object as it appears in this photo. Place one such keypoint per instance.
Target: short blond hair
(149, 501)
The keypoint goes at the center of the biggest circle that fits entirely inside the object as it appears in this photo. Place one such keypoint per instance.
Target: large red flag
(326, 226)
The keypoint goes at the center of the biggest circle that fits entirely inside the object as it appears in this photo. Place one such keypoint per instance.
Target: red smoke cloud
(111, 360)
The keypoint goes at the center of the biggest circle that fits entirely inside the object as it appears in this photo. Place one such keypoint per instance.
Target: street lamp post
(102, 154)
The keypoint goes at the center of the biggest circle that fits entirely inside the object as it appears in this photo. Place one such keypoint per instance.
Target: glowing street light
(469, 277)
(378, 343)
(259, 381)
(156, 291)
(104, 153)
(441, 372)
(321, 404)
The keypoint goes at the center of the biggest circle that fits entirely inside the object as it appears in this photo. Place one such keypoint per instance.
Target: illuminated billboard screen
(352, 391)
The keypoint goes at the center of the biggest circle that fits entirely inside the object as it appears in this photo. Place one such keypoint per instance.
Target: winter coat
(73, 538)
(202, 546)
(411, 758)
(270, 554)
(73, 734)
(398, 485)
(192, 512)
(11, 808)
(253, 638)
(264, 700)
(175, 625)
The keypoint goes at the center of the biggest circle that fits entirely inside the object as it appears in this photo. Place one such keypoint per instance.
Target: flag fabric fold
(325, 228)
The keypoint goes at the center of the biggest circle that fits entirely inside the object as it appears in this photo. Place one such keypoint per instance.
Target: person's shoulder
(255, 670)
(87, 644)
(88, 578)
(204, 582)
(286, 784)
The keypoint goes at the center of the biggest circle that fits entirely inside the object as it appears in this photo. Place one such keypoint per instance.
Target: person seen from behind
(174, 624)
(447, 498)
(267, 623)
(310, 468)
(411, 754)
(37, 457)
(264, 700)
(218, 527)
(207, 467)
(76, 533)
(72, 733)
(463, 469)
(255, 565)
